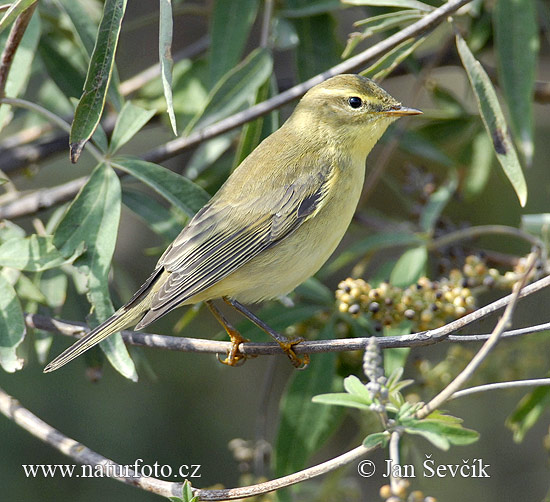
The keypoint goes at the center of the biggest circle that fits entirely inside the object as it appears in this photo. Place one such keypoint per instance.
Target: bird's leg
(285, 343)
(234, 357)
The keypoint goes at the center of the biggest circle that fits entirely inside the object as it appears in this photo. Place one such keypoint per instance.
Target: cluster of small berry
(427, 304)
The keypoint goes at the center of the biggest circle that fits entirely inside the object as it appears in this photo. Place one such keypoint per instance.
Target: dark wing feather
(207, 251)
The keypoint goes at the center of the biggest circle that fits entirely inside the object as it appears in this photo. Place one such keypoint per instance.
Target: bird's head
(351, 108)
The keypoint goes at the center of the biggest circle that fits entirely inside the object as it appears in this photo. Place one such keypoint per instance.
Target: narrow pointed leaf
(231, 24)
(517, 46)
(165, 57)
(493, 119)
(354, 386)
(130, 120)
(342, 399)
(407, 4)
(176, 189)
(385, 65)
(12, 327)
(90, 107)
(85, 30)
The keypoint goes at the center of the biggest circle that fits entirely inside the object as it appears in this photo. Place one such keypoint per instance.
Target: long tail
(121, 319)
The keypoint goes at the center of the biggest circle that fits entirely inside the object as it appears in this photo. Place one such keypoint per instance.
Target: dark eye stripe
(355, 102)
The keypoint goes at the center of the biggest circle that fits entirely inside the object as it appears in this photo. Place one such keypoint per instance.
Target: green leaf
(367, 245)
(480, 166)
(528, 411)
(90, 107)
(342, 399)
(176, 189)
(35, 253)
(376, 439)
(493, 119)
(355, 387)
(67, 76)
(9, 230)
(162, 221)
(84, 28)
(410, 267)
(130, 120)
(21, 65)
(27, 290)
(234, 89)
(437, 202)
(187, 494)
(305, 426)
(15, 9)
(517, 45)
(12, 327)
(319, 46)
(53, 284)
(377, 24)
(93, 218)
(231, 24)
(442, 433)
(407, 4)
(85, 31)
(386, 64)
(301, 8)
(165, 57)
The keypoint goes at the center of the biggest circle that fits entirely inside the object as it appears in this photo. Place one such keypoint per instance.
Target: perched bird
(276, 219)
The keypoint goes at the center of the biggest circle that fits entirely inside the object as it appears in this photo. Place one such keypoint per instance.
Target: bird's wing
(215, 244)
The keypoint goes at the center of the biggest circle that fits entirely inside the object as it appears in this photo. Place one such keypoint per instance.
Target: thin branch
(14, 411)
(481, 230)
(183, 344)
(14, 39)
(534, 382)
(177, 145)
(394, 458)
(266, 23)
(484, 351)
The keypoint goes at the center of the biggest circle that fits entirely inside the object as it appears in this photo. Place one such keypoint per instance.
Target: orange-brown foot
(234, 357)
(299, 362)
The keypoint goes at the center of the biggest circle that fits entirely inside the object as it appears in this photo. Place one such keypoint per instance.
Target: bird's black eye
(355, 102)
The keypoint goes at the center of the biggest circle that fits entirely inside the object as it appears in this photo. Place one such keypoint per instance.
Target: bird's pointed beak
(402, 111)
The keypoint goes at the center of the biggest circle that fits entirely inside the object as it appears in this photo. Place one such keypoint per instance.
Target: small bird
(274, 222)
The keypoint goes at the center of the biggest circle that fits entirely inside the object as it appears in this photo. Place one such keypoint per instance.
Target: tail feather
(119, 320)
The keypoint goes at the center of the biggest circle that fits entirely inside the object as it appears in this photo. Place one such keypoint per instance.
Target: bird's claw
(300, 363)
(234, 357)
